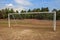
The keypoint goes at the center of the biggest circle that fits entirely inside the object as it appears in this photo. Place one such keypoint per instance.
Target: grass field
(29, 29)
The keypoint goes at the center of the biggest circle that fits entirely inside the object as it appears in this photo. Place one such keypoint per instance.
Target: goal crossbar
(54, 18)
(30, 13)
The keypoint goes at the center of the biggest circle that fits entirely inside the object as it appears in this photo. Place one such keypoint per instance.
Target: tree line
(4, 13)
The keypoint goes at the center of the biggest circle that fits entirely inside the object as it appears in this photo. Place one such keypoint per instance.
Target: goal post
(54, 17)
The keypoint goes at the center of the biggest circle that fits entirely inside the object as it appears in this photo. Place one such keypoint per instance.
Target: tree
(17, 11)
(1, 16)
(45, 9)
(34, 10)
(58, 14)
(29, 10)
(54, 10)
(23, 11)
(4, 12)
(11, 11)
(38, 10)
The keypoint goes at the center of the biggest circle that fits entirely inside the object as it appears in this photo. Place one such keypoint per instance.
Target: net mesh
(32, 20)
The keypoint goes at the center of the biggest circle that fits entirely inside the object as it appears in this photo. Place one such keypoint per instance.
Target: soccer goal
(32, 19)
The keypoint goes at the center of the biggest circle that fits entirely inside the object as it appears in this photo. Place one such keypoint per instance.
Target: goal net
(32, 20)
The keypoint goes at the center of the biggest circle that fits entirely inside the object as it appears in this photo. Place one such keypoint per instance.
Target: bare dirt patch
(29, 33)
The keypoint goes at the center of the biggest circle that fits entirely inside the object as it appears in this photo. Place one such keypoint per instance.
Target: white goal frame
(54, 19)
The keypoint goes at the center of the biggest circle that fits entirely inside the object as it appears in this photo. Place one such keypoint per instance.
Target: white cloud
(19, 8)
(9, 5)
(22, 5)
(23, 2)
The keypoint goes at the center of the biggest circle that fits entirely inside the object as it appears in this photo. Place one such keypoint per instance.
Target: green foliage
(54, 10)
(17, 11)
(11, 11)
(23, 11)
(4, 14)
(29, 10)
(58, 15)
(45, 9)
(36, 10)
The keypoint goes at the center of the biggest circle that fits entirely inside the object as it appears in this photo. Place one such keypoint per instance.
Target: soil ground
(29, 29)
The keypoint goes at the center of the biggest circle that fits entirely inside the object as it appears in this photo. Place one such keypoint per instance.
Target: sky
(29, 4)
